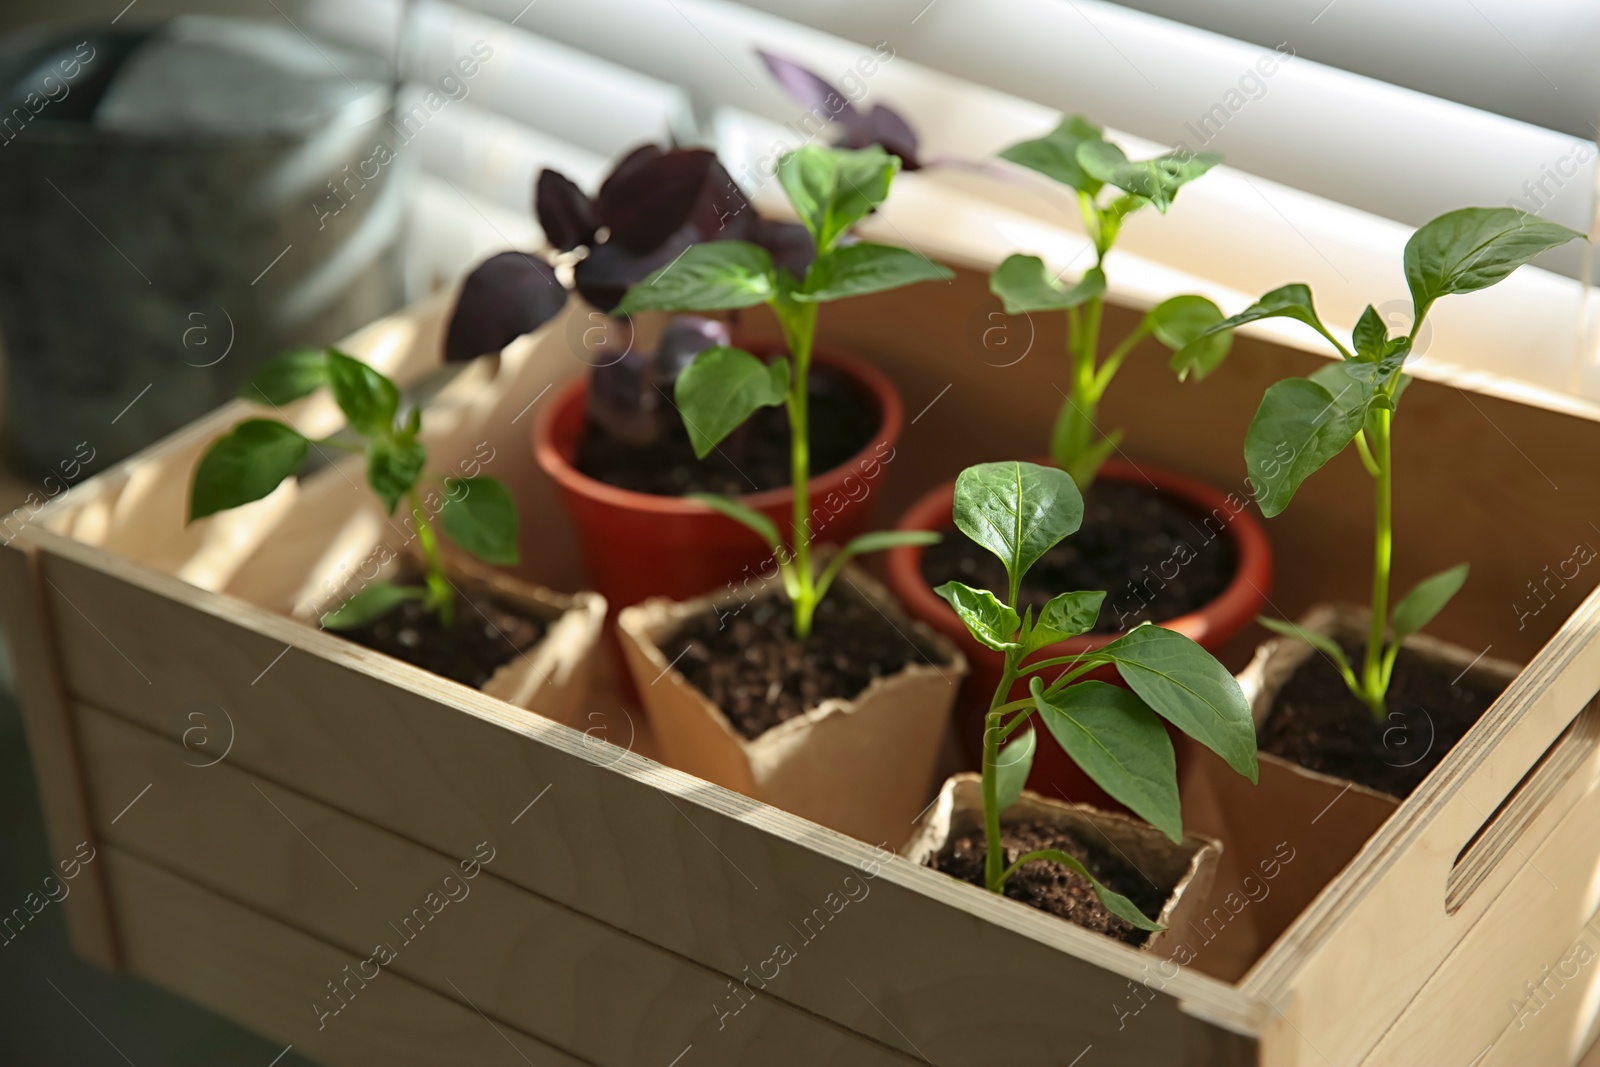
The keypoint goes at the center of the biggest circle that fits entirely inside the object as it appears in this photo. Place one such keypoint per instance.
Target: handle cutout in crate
(1501, 832)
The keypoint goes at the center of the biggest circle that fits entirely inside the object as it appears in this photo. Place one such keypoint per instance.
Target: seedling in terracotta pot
(250, 461)
(1303, 423)
(1019, 511)
(831, 190)
(1109, 187)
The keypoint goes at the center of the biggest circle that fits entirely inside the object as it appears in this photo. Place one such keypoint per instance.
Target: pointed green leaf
(1184, 684)
(1427, 599)
(1319, 641)
(990, 622)
(713, 276)
(834, 188)
(1066, 615)
(1120, 743)
(367, 398)
(1024, 284)
(1183, 324)
(1011, 768)
(372, 603)
(1291, 301)
(245, 464)
(1371, 336)
(1299, 427)
(1473, 248)
(1055, 155)
(484, 521)
(393, 466)
(1018, 511)
(748, 516)
(866, 268)
(1115, 902)
(287, 376)
(1157, 180)
(722, 388)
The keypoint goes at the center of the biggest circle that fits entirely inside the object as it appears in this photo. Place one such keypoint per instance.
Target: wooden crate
(630, 909)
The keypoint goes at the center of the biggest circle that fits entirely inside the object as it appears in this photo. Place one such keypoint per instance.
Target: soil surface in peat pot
(1053, 887)
(752, 667)
(1317, 723)
(486, 634)
(754, 458)
(1153, 557)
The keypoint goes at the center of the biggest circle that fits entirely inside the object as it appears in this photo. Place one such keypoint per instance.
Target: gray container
(178, 204)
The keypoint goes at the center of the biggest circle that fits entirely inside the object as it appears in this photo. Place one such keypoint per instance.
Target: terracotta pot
(638, 545)
(1189, 867)
(864, 767)
(1212, 626)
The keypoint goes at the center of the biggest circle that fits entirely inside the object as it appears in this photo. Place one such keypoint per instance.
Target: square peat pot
(278, 819)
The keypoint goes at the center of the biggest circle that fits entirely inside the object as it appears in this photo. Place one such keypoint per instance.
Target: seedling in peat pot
(1109, 188)
(1019, 511)
(252, 459)
(1302, 423)
(831, 189)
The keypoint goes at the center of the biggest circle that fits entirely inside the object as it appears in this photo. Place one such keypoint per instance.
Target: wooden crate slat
(549, 971)
(708, 874)
(267, 976)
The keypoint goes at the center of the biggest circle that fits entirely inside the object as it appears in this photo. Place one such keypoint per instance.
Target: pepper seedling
(831, 189)
(1019, 511)
(252, 459)
(1109, 188)
(1303, 423)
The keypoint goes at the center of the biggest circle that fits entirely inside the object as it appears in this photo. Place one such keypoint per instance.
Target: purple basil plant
(858, 129)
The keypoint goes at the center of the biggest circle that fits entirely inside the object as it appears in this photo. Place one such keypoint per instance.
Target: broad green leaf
(722, 388)
(1321, 642)
(367, 398)
(1299, 426)
(1473, 248)
(1055, 155)
(1115, 902)
(371, 604)
(1184, 684)
(1427, 599)
(1120, 743)
(1291, 301)
(713, 276)
(866, 268)
(287, 376)
(484, 521)
(245, 464)
(1157, 180)
(1024, 284)
(1066, 615)
(1011, 768)
(991, 623)
(1371, 336)
(834, 188)
(1018, 511)
(1183, 324)
(755, 520)
(394, 463)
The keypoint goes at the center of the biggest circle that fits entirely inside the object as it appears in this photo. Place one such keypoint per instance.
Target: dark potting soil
(843, 418)
(1154, 558)
(752, 666)
(1053, 887)
(1317, 723)
(486, 634)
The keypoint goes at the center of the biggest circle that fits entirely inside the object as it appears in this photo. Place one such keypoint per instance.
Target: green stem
(800, 344)
(1372, 680)
(994, 858)
(1075, 425)
(441, 596)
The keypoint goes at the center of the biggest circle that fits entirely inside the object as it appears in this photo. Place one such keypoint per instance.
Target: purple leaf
(722, 212)
(645, 201)
(894, 134)
(565, 213)
(610, 270)
(507, 296)
(684, 338)
(809, 90)
(788, 243)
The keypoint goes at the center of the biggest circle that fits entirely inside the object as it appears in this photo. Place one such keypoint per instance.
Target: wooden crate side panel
(688, 866)
(265, 976)
(57, 763)
(547, 970)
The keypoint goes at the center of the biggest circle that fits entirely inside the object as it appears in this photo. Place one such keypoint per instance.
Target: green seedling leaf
(394, 463)
(1018, 511)
(484, 521)
(722, 388)
(1184, 684)
(834, 188)
(1157, 180)
(1055, 155)
(287, 376)
(877, 541)
(1291, 301)
(1024, 284)
(1011, 768)
(1066, 615)
(714, 276)
(866, 268)
(1120, 743)
(371, 604)
(1371, 336)
(245, 464)
(367, 398)
(747, 516)
(1183, 324)
(1321, 642)
(1473, 248)
(1115, 902)
(991, 623)
(1427, 599)
(1298, 428)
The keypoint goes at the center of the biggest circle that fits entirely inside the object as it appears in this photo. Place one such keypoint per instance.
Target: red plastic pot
(639, 545)
(1211, 627)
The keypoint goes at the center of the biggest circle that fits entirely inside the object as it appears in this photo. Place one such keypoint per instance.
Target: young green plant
(1303, 423)
(831, 189)
(252, 459)
(1019, 511)
(1109, 188)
